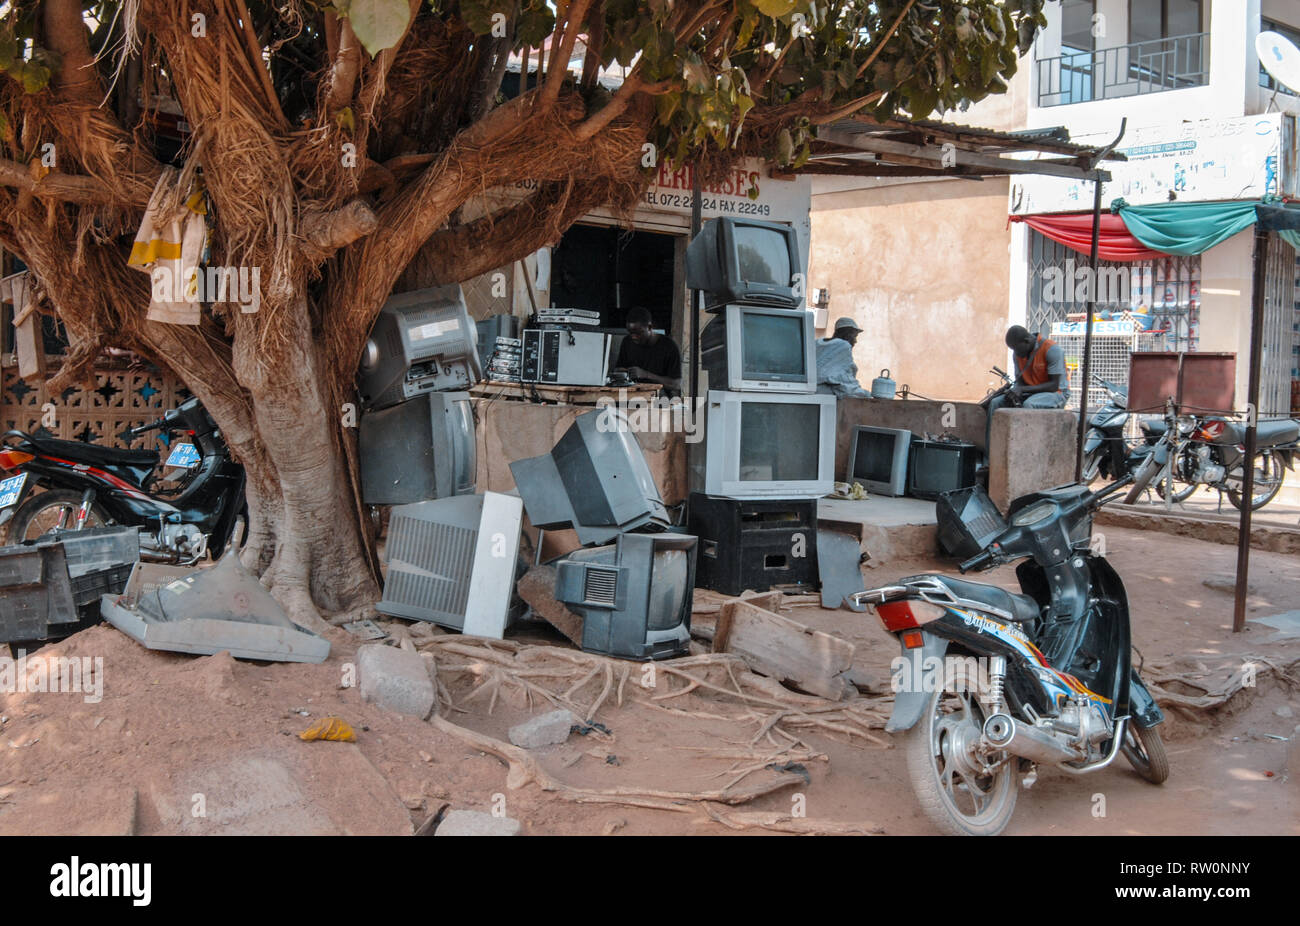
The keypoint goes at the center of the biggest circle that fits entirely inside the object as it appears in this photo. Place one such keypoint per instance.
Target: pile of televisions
(769, 436)
(895, 461)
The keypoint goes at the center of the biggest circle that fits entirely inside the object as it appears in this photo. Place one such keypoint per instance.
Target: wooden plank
(784, 649)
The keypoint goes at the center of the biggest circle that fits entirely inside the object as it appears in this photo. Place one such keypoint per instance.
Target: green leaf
(775, 8)
(8, 51)
(378, 24)
(35, 77)
(345, 119)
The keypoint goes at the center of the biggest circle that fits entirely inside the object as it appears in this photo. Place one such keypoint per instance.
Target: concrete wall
(923, 268)
(1033, 449)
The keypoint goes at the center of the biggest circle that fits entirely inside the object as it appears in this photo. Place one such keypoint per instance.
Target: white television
(750, 348)
(769, 446)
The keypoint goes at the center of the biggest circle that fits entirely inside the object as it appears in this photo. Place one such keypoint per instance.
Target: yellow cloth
(169, 247)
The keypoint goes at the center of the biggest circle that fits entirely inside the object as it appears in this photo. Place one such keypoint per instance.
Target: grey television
(422, 341)
(634, 595)
(595, 480)
(453, 561)
(420, 449)
(878, 459)
(750, 348)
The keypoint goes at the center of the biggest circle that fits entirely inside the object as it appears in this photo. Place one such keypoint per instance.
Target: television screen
(940, 466)
(778, 442)
(668, 588)
(763, 255)
(874, 459)
(773, 346)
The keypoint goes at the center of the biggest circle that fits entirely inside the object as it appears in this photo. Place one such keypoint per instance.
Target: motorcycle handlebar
(975, 562)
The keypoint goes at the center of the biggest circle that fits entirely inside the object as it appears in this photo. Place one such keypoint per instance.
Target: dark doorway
(610, 270)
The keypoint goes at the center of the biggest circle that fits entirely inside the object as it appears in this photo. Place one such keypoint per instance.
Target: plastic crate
(35, 597)
(98, 549)
(87, 588)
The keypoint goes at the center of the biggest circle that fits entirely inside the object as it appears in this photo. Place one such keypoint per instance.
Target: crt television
(422, 341)
(634, 595)
(419, 449)
(769, 446)
(758, 349)
(878, 459)
(746, 260)
(938, 466)
(595, 480)
(453, 562)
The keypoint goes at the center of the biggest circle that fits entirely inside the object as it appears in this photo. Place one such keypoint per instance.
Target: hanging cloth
(1185, 228)
(169, 247)
(1114, 241)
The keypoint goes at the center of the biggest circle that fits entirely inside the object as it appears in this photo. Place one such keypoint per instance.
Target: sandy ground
(182, 744)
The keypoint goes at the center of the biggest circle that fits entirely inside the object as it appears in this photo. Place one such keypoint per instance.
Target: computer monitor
(756, 349)
(453, 562)
(937, 466)
(595, 480)
(422, 341)
(417, 450)
(634, 595)
(746, 260)
(878, 459)
(769, 446)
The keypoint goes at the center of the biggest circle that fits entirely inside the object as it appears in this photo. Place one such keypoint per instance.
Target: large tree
(346, 148)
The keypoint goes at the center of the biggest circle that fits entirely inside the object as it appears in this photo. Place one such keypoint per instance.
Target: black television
(420, 449)
(746, 260)
(634, 595)
(937, 466)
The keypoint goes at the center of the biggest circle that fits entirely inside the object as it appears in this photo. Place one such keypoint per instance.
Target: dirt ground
(182, 744)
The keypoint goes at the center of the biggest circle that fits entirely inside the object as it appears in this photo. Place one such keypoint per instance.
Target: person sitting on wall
(1041, 380)
(837, 374)
(647, 356)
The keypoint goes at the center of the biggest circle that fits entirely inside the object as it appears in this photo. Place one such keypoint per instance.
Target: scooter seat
(1273, 433)
(1155, 427)
(1021, 607)
(95, 454)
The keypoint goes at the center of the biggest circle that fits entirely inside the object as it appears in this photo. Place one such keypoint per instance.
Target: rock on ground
(397, 679)
(543, 730)
(476, 823)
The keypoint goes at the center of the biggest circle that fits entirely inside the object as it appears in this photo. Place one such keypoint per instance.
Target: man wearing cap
(837, 374)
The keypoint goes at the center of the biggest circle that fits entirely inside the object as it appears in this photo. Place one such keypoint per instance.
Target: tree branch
(66, 33)
(327, 231)
(64, 187)
(885, 39)
(344, 70)
(560, 57)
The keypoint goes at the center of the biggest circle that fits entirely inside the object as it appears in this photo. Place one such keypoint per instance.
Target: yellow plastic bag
(329, 728)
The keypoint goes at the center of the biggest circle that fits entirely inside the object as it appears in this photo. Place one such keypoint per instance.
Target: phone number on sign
(707, 203)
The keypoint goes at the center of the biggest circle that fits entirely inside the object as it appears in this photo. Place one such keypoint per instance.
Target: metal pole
(1252, 417)
(694, 303)
(1085, 378)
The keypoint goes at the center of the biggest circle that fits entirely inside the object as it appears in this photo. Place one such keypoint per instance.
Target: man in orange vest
(1041, 379)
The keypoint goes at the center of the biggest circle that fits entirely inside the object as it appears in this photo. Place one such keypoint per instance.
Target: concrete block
(476, 823)
(1031, 449)
(397, 679)
(543, 730)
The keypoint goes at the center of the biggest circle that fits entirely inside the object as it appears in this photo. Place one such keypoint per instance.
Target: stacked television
(769, 436)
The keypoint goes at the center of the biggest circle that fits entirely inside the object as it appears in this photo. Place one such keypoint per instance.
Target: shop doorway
(610, 270)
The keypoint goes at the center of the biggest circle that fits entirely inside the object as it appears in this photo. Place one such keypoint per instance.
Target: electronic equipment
(422, 341)
(878, 459)
(420, 449)
(759, 349)
(968, 521)
(565, 358)
(936, 466)
(768, 446)
(453, 562)
(753, 544)
(746, 260)
(567, 317)
(1279, 56)
(595, 480)
(634, 595)
(490, 333)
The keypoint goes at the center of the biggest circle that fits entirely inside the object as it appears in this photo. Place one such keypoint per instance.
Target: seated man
(837, 374)
(1041, 379)
(649, 357)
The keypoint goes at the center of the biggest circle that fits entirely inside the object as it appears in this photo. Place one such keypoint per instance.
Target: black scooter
(88, 485)
(991, 683)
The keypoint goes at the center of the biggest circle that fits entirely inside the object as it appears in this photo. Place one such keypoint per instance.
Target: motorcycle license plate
(11, 490)
(183, 455)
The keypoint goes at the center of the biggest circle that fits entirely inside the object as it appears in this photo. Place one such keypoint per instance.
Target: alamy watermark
(661, 414)
(1073, 284)
(53, 674)
(240, 285)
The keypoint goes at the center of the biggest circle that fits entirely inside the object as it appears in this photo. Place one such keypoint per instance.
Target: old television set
(769, 446)
(423, 341)
(634, 595)
(746, 260)
(595, 480)
(758, 349)
(453, 562)
(416, 450)
(937, 466)
(878, 459)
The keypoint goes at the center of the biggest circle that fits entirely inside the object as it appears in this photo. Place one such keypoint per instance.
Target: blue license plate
(184, 455)
(11, 489)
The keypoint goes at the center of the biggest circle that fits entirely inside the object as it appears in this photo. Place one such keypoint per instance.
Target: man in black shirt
(649, 357)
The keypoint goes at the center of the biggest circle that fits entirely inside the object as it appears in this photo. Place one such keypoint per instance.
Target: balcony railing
(1125, 70)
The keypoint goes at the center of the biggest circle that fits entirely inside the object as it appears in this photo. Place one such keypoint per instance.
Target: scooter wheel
(1145, 751)
(40, 514)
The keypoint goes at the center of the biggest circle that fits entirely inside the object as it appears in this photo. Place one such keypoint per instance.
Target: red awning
(1075, 232)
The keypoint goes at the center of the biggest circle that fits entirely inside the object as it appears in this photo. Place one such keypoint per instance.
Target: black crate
(35, 598)
(753, 544)
(87, 588)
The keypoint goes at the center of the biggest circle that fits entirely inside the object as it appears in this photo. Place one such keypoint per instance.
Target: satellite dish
(1280, 58)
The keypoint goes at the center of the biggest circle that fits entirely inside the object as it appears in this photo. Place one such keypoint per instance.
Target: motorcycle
(1013, 398)
(992, 684)
(1107, 452)
(89, 485)
(1210, 450)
